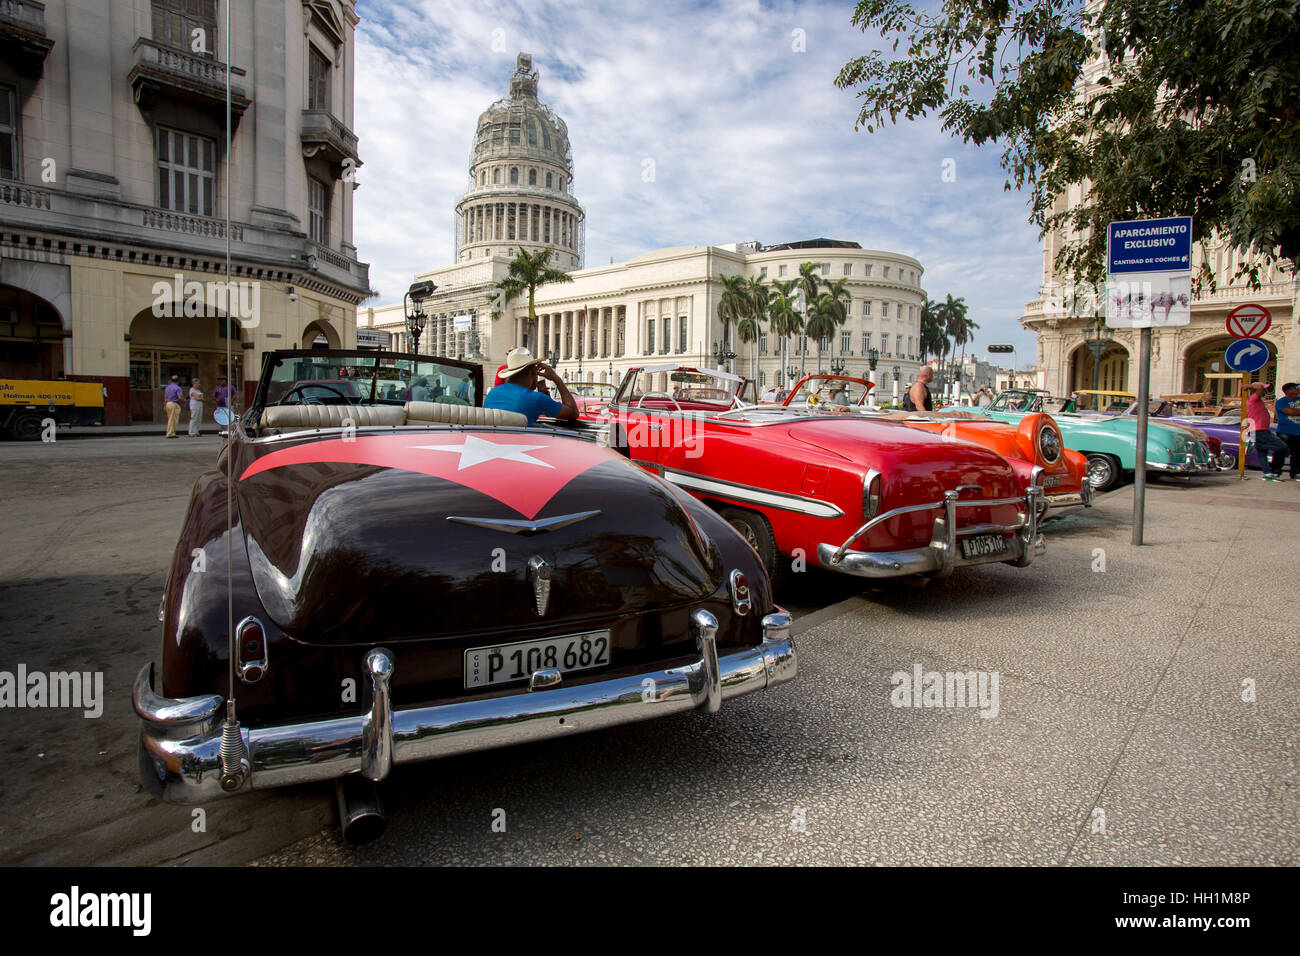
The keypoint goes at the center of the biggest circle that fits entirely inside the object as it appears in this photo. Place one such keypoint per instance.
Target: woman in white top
(196, 408)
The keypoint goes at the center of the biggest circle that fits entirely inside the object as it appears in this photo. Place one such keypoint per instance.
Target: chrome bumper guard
(180, 740)
(941, 556)
(1188, 466)
(1070, 499)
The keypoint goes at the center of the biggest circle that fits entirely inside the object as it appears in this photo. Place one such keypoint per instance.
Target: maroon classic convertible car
(871, 498)
(415, 579)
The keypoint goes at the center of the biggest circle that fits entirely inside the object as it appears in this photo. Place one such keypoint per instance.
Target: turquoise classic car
(1109, 442)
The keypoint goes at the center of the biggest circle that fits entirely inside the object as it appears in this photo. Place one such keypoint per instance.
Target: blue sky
(735, 105)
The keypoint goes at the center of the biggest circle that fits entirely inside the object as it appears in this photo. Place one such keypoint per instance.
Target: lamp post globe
(413, 310)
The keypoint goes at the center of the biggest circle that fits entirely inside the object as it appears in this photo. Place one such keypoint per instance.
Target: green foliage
(1153, 107)
(527, 272)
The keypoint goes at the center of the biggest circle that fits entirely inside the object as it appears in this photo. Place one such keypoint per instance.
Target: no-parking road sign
(1249, 321)
(1246, 355)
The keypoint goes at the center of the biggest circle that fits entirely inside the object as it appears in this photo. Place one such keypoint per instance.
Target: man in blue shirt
(1288, 424)
(517, 393)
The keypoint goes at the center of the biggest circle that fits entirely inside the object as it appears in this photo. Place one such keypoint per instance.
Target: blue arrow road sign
(1246, 355)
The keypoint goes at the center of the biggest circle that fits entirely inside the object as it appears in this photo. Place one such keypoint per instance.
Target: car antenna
(234, 758)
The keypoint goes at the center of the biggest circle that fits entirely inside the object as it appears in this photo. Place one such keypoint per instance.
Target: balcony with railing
(97, 221)
(161, 71)
(323, 134)
(23, 42)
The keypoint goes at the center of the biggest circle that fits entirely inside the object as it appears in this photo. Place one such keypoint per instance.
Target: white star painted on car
(475, 451)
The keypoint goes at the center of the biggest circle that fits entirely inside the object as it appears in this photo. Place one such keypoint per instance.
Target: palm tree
(758, 295)
(809, 282)
(732, 304)
(784, 317)
(964, 334)
(528, 272)
(821, 322)
(931, 330)
(840, 299)
(952, 313)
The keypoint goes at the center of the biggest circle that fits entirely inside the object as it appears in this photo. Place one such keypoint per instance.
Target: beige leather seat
(439, 413)
(279, 418)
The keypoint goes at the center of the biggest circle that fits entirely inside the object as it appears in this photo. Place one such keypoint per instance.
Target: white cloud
(750, 140)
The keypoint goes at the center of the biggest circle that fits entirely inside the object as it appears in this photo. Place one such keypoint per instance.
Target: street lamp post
(1098, 338)
(897, 370)
(837, 366)
(611, 373)
(413, 309)
(791, 371)
(873, 356)
(722, 353)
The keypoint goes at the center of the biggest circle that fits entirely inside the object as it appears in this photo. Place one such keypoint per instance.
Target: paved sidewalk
(1122, 736)
(137, 429)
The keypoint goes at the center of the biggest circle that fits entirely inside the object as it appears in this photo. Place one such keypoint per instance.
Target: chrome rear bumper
(942, 555)
(180, 739)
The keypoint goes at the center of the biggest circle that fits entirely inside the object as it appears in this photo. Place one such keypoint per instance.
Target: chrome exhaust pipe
(361, 813)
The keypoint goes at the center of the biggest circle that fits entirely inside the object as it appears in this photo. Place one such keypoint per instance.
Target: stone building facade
(611, 317)
(113, 189)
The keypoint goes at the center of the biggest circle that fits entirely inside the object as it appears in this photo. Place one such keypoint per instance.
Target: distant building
(112, 189)
(660, 304)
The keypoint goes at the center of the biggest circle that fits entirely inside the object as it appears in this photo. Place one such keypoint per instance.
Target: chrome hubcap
(1099, 472)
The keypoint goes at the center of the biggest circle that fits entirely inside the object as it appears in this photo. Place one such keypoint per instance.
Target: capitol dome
(520, 193)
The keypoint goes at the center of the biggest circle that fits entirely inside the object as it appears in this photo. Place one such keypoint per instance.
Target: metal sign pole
(1144, 401)
(1241, 442)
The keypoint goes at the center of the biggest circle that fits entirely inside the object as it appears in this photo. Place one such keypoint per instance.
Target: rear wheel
(26, 428)
(755, 529)
(1103, 471)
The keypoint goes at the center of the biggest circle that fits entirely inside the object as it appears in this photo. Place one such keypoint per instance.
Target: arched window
(548, 180)
(514, 175)
(546, 136)
(496, 176)
(559, 183)
(483, 178)
(532, 133)
(532, 177)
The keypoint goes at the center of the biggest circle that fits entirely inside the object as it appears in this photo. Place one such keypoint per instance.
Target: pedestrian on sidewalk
(1270, 449)
(196, 408)
(172, 397)
(1288, 424)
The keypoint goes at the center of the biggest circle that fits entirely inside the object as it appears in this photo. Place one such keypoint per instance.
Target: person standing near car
(172, 398)
(196, 408)
(1270, 449)
(918, 396)
(1288, 424)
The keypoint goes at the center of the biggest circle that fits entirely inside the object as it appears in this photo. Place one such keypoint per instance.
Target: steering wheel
(298, 388)
(646, 395)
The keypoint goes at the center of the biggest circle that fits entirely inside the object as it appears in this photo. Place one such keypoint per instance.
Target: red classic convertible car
(1034, 448)
(861, 497)
(409, 580)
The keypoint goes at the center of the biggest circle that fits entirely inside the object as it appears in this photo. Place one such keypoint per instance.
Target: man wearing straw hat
(516, 393)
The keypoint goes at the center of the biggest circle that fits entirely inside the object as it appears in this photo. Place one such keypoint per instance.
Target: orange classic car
(1034, 448)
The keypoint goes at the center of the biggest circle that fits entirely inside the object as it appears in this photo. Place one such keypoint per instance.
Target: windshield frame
(363, 358)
